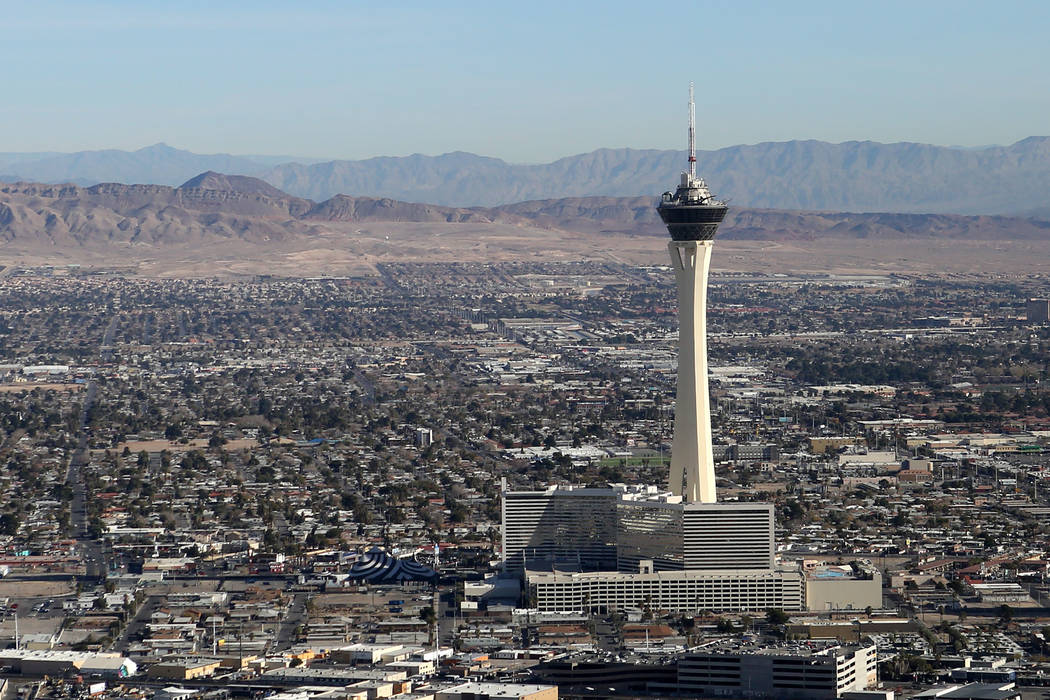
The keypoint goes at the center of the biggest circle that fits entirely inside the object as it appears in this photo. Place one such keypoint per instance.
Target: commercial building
(680, 550)
(825, 445)
(58, 663)
(672, 591)
(185, 669)
(369, 654)
(842, 588)
(972, 691)
(575, 526)
(331, 676)
(798, 671)
(625, 678)
(745, 453)
(498, 691)
(693, 536)
(616, 548)
(1038, 310)
(1001, 592)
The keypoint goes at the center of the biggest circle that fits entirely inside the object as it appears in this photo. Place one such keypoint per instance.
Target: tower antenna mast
(692, 133)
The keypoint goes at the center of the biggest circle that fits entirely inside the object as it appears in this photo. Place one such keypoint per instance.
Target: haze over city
(467, 351)
(523, 82)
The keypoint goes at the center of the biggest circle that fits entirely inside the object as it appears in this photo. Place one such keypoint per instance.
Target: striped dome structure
(377, 566)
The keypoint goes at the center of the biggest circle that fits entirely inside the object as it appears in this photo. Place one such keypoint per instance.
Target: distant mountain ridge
(858, 176)
(803, 175)
(214, 207)
(159, 164)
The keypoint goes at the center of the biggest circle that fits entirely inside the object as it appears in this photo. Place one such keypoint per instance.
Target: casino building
(677, 549)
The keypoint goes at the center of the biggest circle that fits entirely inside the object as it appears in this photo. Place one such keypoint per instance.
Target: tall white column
(692, 460)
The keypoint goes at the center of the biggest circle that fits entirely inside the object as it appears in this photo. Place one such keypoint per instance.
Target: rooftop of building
(975, 691)
(764, 647)
(506, 690)
(57, 655)
(670, 576)
(839, 572)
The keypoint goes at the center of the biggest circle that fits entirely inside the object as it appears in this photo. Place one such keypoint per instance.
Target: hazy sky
(524, 81)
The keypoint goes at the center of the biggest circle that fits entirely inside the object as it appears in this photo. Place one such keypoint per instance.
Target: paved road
(445, 607)
(295, 616)
(92, 549)
(368, 389)
(138, 623)
(607, 634)
(384, 273)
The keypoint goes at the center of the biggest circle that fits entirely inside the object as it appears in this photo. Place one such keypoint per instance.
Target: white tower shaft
(692, 459)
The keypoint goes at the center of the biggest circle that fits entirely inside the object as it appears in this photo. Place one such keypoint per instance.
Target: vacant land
(26, 386)
(354, 249)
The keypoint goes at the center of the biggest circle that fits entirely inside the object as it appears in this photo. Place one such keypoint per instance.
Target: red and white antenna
(692, 133)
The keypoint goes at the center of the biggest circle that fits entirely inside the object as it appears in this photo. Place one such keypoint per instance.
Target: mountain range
(856, 176)
(214, 207)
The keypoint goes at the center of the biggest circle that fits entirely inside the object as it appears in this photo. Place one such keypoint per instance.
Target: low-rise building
(843, 588)
(58, 663)
(187, 669)
(498, 691)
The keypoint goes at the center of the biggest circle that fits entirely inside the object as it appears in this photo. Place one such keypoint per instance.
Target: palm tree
(428, 616)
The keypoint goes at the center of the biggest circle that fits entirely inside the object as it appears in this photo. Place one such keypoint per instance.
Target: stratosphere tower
(692, 215)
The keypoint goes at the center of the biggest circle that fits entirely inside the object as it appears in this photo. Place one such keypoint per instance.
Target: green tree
(429, 616)
(9, 524)
(776, 616)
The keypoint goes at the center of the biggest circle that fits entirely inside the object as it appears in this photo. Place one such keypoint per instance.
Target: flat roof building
(685, 591)
(842, 588)
(57, 663)
(500, 691)
(694, 536)
(1038, 310)
(560, 524)
(789, 671)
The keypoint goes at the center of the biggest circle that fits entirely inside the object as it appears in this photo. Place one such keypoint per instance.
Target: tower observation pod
(692, 215)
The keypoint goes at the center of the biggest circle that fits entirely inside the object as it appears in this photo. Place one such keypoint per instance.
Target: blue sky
(525, 81)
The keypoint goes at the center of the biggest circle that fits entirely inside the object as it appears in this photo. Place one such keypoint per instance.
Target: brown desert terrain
(220, 226)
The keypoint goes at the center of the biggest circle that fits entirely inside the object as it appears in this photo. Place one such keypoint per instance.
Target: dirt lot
(26, 386)
(355, 249)
(18, 589)
(196, 444)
